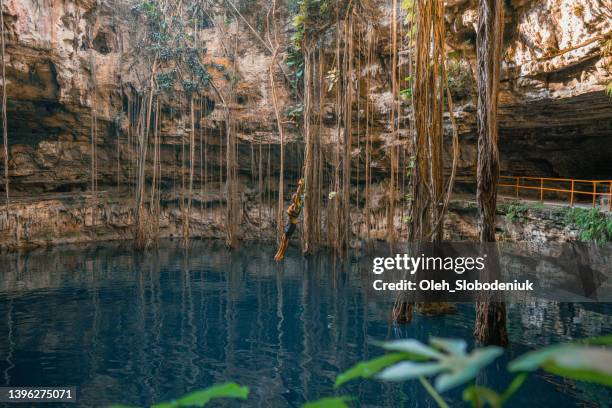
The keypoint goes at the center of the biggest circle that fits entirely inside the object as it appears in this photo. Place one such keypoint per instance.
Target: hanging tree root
(403, 308)
(293, 212)
(490, 325)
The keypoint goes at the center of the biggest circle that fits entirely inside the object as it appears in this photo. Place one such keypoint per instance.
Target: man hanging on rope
(293, 212)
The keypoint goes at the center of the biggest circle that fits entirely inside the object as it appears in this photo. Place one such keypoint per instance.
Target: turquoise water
(142, 328)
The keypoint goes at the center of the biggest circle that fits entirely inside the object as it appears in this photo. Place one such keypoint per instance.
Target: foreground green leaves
(449, 362)
(574, 361)
(203, 397)
(481, 396)
(331, 402)
(605, 340)
(446, 358)
(367, 369)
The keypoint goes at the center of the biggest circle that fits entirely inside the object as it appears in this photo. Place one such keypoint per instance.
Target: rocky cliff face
(70, 71)
(69, 74)
(555, 119)
(56, 52)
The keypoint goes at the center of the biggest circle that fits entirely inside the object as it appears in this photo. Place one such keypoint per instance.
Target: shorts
(289, 229)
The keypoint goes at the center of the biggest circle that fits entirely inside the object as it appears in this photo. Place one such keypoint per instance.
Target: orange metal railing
(572, 189)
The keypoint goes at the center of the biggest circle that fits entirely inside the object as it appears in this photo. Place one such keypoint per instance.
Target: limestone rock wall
(70, 65)
(555, 118)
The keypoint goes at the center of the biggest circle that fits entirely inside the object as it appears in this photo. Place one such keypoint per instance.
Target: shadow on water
(140, 328)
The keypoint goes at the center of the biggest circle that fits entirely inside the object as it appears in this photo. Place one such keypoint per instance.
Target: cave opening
(569, 139)
(566, 140)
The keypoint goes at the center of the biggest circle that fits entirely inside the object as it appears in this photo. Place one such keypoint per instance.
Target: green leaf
(433, 393)
(446, 381)
(203, 397)
(406, 93)
(456, 347)
(329, 402)
(485, 356)
(514, 386)
(463, 369)
(122, 406)
(591, 364)
(453, 365)
(600, 340)
(367, 369)
(408, 370)
(533, 360)
(414, 347)
(478, 395)
(575, 361)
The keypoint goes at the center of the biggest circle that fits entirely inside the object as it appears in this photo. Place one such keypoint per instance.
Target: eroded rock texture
(555, 117)
(70, 66)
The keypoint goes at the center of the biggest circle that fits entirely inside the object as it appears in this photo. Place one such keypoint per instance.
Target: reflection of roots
(490, 325)
(146, 230)
(402, 310)
(436, 308)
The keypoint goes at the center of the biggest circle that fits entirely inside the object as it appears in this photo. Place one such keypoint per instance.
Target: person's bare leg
(281, 251)
(280, 254)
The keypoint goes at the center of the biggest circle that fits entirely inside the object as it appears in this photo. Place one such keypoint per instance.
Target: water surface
(141, 328)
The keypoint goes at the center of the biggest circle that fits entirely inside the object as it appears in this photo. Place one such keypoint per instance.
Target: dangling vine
(174, 53)
(490, 325)
(169, 43)
(429, 196)
(275, 46)
(395, 115)
(4, 117)
(311, 23)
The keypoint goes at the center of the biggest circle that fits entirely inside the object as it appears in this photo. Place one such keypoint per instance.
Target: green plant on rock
(409, 8)
(515, 210)
(295, 62)
(295, 112)
(168, 41)
(312, 16)
(406, 93)
(592, 224)
(311, 19)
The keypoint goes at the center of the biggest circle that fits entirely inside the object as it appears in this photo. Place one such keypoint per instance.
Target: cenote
(139, 328)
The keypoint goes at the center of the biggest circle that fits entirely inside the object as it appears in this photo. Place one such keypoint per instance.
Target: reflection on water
(140, 328)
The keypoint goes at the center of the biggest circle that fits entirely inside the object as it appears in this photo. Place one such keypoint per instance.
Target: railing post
(610, 198)
(542, 190)
(594, 192)
(572, 195)
(517, 187)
